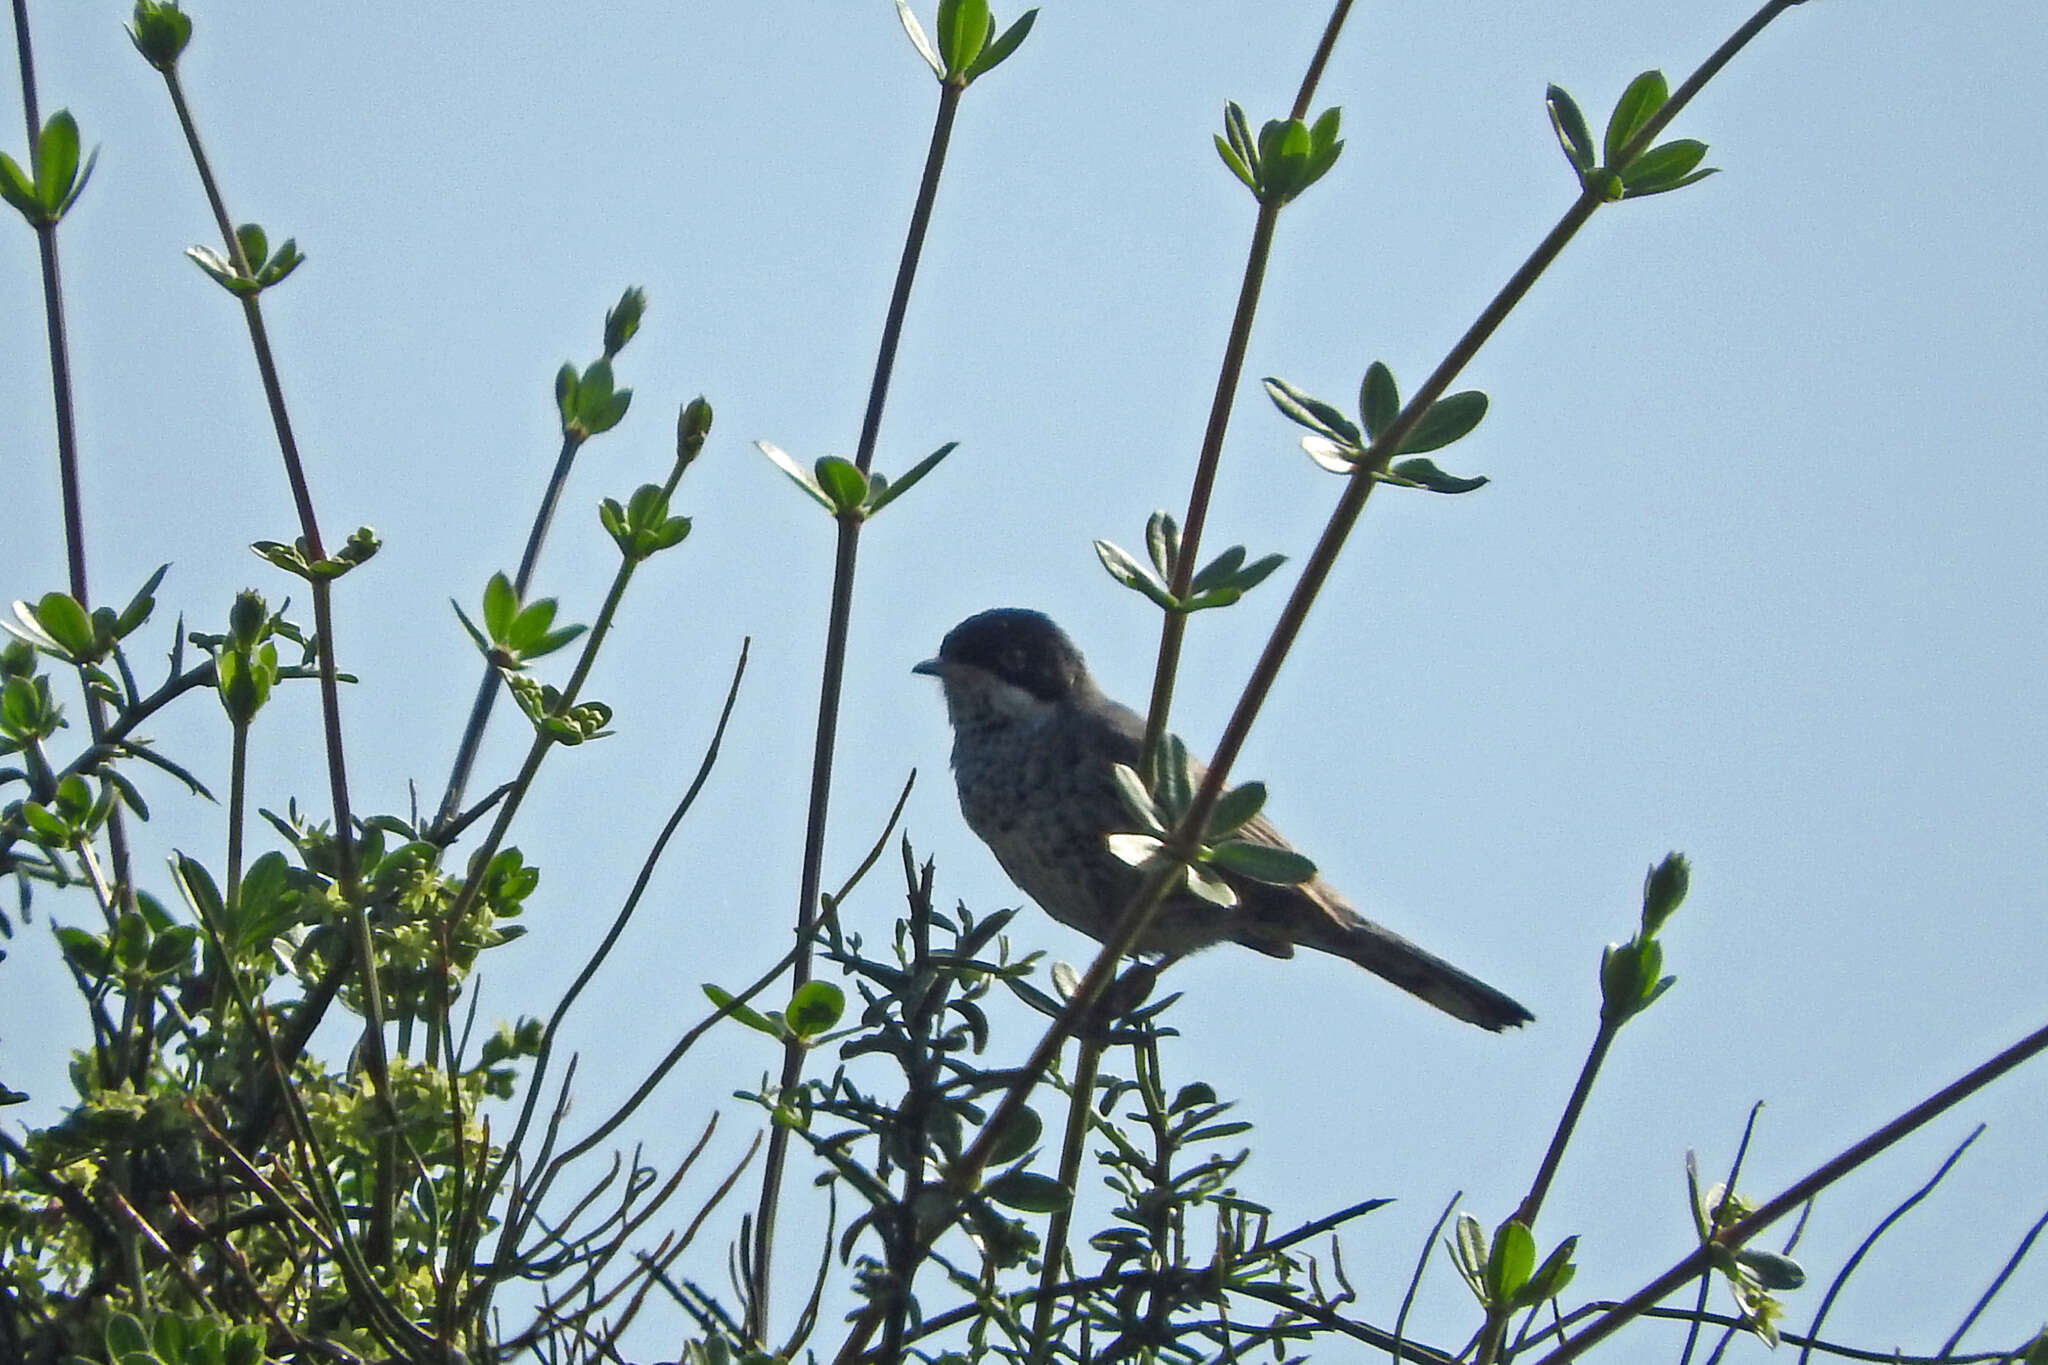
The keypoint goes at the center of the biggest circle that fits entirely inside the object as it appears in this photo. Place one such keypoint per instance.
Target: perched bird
(1034, 745)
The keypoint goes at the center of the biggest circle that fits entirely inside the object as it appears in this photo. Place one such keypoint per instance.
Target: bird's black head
(1019, 647)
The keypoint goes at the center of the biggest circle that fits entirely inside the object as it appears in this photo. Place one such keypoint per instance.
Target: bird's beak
(931, 667)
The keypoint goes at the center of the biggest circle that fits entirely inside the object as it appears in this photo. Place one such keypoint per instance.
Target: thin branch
(489, 1187)
(1797, 1193)
(1997, 1283)
(832, 677)
(1884, 1224)
(487, 689)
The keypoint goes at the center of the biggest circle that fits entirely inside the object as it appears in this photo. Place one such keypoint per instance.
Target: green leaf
(963, 28)
(1027, 1192)
(1772, 1270)
(131, 941)
(1450, 418)
(752, 1018)
(1173, 779)
(1423, 473)
(56, 161)
(198, 888)
(797, 474)
(918, 40)
(1019, 1136)
(1240, 132)
(1234, 808)
(19, 190)
(243, 1345)
(1136, 799)
(1284, 159)
(74, 799)
(125, 1335)
(1665, 167)
(1236, 164)
(483, 643)
(1645, 95)
(1125, 569)
(565, 395)
(1261, 862)
(1211, 887)
(998, 51)
(64, 621)
(1218, 571)
(283, 262)
(1512, 1260)
(44, 825)
(1379, 401)
(1324, 146)
(1570, 126)
(1468, 1251)
(1134, 849)
(255, 246)
(501, 608)
(1258, 571)
(1338, 459)
(141, 605)
(26, 711)
(842, 482)
(1162, 542)
(1551, 1277)
(1307, 410)
(884, 493)
(555, 639)
(168, 1338)
(530, 624)
(814, 1009)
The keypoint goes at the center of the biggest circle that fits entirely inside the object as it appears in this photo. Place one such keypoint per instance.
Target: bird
(1035, 747)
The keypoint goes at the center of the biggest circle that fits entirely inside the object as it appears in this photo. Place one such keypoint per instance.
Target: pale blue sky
(1758, 577)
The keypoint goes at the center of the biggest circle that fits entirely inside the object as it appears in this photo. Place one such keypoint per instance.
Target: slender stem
(487, 688)
(67, 428)
(60, 351)
(501, 825)
(965, 1173)
(1991, 1290)
(1314, 75)
(1227, 377)
(1884, 1225)
(374, 1059)
(906, 272)
(1080, 1109)
(121, 893)
(904, 1248)
(1566, 1123)
(1799, 1191)
(307, 1017)
(1174, 629)
(1352, 503)
(238, 784)
(833, 674)
(489, 1185)
(26, 59)
(238, 797)
(302, 500)
(65, 410)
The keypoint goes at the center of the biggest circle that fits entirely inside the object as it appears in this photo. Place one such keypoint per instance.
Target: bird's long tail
(1386, 954)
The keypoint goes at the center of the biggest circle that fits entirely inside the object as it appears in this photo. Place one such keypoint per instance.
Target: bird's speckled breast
(1042, 797)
